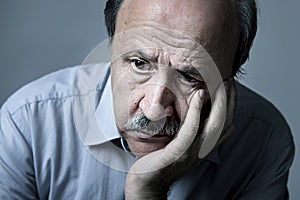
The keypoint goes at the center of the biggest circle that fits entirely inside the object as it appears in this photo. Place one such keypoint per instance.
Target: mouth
(143, 143)
(149, 137)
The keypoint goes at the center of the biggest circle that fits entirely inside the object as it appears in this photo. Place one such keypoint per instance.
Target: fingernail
(201, 94)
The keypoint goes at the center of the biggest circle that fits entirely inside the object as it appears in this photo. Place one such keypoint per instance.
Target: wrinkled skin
(183, 153)
(163, 58)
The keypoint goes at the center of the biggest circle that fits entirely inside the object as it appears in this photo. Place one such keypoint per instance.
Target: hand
(152, 175)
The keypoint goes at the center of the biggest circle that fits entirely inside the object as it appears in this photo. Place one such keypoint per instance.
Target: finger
(189, 129)
(214, 125)
(177, 147)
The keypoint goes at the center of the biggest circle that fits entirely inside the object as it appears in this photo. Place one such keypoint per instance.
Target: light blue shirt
(55, 138)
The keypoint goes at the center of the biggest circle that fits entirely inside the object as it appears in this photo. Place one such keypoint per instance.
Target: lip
(139, 135)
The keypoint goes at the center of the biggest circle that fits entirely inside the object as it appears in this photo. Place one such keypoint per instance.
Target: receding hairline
(246, 15)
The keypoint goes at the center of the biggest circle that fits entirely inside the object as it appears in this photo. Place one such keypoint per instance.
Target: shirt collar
(105, 115)
(104, 129)
(89, 86)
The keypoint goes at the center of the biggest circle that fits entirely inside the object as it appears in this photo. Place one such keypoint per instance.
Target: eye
(189, 79)
(140, 65)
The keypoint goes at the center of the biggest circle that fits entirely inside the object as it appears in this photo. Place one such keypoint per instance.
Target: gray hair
(247, 17)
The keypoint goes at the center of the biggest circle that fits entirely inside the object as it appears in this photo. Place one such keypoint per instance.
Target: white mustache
(164, 126)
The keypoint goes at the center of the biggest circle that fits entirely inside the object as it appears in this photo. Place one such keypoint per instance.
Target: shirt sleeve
(17, 180)
(270, 179)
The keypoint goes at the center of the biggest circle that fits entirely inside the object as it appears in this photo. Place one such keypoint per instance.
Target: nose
(158, 102)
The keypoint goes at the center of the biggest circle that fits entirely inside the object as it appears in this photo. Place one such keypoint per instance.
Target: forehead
(189, 16)
(157, 42)
(209, 23)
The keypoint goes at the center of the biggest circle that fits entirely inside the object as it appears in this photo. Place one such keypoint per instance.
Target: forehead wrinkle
(162, 40)
(210, 24)
(135, 40)
(171, 12)
(160, 13)
(177, 59)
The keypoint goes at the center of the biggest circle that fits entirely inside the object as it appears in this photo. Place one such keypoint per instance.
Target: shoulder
(260, 123)
(254, 106)
(57, 85)
(265, 144)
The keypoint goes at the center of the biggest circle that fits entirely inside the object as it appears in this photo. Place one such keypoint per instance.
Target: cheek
(126, 98)
(181, 107)
(134, 100)
(120, 105)
(121, 93)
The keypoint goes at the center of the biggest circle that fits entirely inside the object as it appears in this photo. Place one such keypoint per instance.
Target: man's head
(246, 14)
(158, 60)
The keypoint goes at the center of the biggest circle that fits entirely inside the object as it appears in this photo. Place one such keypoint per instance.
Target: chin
(142, 147)
(144, 152)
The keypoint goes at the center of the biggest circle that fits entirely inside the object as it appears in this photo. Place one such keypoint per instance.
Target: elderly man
(163, 120)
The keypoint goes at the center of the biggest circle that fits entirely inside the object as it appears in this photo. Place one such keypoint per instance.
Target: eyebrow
(140, 53)
(187, 69)
(192, 71)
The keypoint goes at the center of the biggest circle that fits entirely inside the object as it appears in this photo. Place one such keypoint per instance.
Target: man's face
(158, 62)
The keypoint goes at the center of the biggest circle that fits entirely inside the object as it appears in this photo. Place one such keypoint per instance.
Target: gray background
(37, 37)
